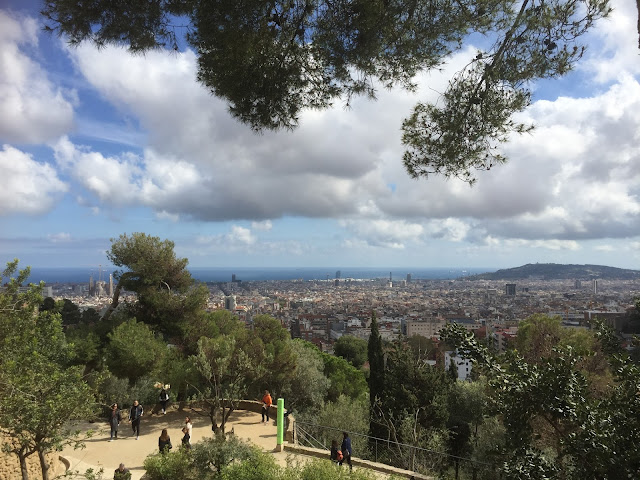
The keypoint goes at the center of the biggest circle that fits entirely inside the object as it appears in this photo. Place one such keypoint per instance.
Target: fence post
(280, 421)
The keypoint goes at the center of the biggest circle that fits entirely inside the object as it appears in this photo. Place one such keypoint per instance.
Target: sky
(98, 143)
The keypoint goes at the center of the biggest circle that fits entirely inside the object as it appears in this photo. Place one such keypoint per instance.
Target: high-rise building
(111, 285)
(390, 279)
(408, 278)
(595, 286)
(92, 290)
(233, 277)
(578, 284)
(510, 288)
(338, 274)
(230, 302)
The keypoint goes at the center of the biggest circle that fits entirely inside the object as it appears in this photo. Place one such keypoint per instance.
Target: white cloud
(59, 237)
(605, 248)
(26, 186)
(385, 233)
(262, 226)
(33, 110)
(572, 179)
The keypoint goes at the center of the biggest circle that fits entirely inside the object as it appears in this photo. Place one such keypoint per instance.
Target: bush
(327, 470)
(170, 466)
(260, 466)
(214, 454)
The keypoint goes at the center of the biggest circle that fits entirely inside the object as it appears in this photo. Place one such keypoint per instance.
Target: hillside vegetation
(556, 271)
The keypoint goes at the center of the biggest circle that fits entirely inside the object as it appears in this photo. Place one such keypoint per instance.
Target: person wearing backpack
(336, 454)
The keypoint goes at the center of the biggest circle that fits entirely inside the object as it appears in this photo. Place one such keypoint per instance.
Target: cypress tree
(376, 376)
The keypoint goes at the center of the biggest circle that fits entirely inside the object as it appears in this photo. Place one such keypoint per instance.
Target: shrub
(170, 466)
(260, 466)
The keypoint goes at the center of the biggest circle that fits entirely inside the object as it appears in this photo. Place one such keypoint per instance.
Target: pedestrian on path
(266, 405)
(164, 442)
(115, 417)
(345, 448)
(189, 426)
(135, 414)
(186, 439)
(122, 473)
(336, 455)
(164, 399)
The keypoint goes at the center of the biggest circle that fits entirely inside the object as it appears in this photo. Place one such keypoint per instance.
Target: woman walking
(164, 442)
(114, 421)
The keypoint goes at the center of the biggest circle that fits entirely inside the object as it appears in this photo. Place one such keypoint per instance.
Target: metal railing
(401, 455)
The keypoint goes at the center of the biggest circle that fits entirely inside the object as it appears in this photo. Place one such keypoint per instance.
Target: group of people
(115, 417)
(164, 441)
(342, 454)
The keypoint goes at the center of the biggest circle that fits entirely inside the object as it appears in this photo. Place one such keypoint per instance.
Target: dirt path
(100, 453)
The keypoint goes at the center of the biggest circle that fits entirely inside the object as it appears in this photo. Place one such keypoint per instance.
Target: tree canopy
(272, 60)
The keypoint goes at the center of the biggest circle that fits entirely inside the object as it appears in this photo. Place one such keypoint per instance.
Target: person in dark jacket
(164, 441)
(122, 473)
(186, 439)
(164, 399)
(346, 449)
(115, 417)
(135, 414)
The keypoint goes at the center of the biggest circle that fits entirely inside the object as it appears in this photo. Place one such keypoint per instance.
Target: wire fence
(401, 455)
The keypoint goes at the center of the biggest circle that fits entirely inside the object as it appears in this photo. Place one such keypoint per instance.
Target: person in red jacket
(266, 405)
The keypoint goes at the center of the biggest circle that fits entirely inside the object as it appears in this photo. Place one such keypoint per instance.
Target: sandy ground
(100, 453)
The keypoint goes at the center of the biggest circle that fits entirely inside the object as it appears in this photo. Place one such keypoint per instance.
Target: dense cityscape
(321, 311)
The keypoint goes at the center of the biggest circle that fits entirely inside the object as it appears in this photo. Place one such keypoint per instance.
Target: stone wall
(10, 466)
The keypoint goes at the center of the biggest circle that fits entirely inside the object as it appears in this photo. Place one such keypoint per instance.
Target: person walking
(186, 438)
(135, 414)
(345, 448)
(164, 399)
(336, 454)
(189, 428)
(164, 442)
(266, 405)
(122, 473)
(115, 417)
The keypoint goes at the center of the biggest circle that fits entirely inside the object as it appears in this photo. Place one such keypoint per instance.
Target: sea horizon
(225, 274)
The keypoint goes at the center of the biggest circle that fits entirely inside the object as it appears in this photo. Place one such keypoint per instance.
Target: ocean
(224, 274)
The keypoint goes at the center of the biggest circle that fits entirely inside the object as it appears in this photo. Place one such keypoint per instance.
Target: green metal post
(280, 422)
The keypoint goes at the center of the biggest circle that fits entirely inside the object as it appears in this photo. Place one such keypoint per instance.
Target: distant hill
(555, 271)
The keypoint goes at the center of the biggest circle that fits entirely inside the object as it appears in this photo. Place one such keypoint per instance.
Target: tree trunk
(23, 465)
(116, 295)
(44, 466)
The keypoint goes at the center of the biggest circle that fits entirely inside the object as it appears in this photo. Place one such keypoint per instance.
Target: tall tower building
(111, 285)
(230, 302)
(390, 277)
(91, 286)
(510, 288)
(408, 278)
(595, 286)
(338, 274)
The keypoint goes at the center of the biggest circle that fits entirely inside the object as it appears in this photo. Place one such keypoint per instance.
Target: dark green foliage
(39, 393)
(555, 425)
(166, 294)
(169, 466)
(344, 378)
(272, 60)
(352, 349)
(134, 350)
(376, 375)
(278, 360)
(70, 313)
(217, 453)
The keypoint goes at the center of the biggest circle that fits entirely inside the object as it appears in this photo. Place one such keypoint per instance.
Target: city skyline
(100, 143)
